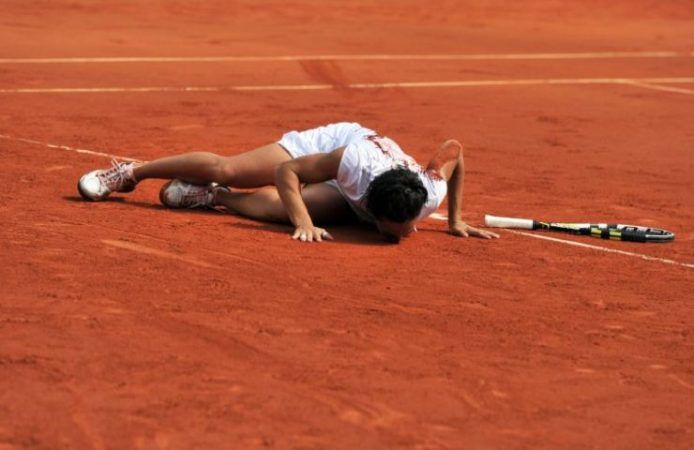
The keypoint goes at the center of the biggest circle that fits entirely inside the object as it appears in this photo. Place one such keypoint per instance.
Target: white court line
(119, 89)
(660, 88)
(67, 148)
(371, 57)
(604, 249)
(308, 87)
(439, 216)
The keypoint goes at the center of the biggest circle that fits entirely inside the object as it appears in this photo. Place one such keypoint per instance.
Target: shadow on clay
(353, 233)
(343, 234)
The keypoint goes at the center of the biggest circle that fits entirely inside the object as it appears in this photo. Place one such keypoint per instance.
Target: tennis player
(334, 173)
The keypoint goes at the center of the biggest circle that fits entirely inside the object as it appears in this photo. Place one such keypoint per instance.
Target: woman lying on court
(327, 174)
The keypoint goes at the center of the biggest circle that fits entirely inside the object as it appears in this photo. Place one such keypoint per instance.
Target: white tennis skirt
(323, 139)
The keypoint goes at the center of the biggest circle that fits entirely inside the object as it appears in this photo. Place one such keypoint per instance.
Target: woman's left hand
(464, 230)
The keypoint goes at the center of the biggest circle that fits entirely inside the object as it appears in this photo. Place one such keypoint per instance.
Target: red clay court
(127, 325)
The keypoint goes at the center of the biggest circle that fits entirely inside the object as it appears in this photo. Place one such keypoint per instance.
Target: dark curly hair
(397, 195)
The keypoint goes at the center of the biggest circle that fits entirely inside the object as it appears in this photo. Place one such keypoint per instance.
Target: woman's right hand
(310, 233)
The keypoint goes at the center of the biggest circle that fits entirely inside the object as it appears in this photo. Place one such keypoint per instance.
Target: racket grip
(507, 222)
(634, 234)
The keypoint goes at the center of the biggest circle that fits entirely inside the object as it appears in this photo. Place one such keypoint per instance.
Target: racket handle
(507, 222)
(636, 234)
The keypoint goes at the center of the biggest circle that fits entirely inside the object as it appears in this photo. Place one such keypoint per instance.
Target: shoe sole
(86, 196)
(84, 193)
(161, 194)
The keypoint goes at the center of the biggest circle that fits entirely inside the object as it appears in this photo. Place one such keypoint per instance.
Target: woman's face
(394, 231)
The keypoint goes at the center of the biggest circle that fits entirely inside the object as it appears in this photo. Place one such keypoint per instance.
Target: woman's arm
(291, 175)
(448, 163)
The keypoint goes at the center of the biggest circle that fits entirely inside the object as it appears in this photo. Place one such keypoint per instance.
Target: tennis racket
(614, 231)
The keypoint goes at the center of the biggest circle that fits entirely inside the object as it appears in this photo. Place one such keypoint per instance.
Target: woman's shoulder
(434, 183)
(434, 175)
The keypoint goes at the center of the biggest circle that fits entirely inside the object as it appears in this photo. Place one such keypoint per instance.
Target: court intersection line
(646, 83)
(439, 216)
(435, 216)
(366, 57)
(660, 88)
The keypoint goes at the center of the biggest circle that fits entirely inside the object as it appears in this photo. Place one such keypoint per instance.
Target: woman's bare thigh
(257, 167)
(325, 205)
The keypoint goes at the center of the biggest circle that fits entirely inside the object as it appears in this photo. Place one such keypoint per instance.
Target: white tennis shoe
(179, 194)
(99, 184)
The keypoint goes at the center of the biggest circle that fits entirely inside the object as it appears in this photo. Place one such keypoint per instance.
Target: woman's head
(396, 196)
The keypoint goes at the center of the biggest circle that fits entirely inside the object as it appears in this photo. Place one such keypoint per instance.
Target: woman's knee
(209, 166)
(224, 171)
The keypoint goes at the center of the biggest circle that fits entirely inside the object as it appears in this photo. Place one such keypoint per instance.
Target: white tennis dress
(366, 156)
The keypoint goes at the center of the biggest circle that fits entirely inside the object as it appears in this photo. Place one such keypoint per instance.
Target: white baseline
(366, 57)
(647, 83)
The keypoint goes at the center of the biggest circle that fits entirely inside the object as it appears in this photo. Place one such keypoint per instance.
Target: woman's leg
(252, 169)
(325, 204)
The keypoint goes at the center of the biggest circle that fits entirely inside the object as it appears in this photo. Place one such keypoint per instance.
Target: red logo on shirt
(390, 149)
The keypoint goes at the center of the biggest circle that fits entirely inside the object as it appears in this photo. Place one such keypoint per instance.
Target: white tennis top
(366, 156)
